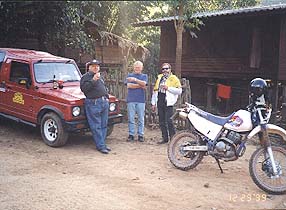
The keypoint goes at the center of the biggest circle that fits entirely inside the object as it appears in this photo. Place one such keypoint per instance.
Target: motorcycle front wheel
(181, 158)
(261, 172)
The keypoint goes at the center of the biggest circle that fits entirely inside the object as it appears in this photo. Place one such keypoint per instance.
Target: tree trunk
(179, 26)
(178, 67)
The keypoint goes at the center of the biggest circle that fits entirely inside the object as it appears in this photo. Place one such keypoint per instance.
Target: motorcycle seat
(216, 119)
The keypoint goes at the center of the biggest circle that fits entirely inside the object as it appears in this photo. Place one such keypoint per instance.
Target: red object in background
(223, 91)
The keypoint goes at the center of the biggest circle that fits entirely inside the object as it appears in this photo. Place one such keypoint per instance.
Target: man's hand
(131, 79)
(164, 87)
(96, 76)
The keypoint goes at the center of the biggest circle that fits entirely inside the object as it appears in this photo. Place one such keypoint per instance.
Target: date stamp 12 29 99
(247, 197)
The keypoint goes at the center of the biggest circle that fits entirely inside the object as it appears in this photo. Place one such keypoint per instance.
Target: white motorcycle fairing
(240, 121)
(270, 128)
(211, 125)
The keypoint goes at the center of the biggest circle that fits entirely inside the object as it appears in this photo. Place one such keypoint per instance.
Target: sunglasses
(163, 69)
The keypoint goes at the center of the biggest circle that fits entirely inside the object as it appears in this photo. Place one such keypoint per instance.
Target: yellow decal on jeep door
(18, 98)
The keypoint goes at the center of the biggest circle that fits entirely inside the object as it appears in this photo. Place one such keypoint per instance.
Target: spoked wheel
(261, 170)
(179, 156)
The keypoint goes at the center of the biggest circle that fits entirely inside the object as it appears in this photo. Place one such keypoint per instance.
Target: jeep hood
(69, 93)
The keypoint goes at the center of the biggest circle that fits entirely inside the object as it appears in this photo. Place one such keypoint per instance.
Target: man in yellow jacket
(166, 91)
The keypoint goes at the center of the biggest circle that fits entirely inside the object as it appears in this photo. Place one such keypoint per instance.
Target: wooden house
(112, 50)
(231, 48)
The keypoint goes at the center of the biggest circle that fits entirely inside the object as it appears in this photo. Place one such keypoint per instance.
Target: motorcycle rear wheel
(261, 170)
(184, 160)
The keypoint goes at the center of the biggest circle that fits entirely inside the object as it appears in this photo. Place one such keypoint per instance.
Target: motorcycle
(224, 138)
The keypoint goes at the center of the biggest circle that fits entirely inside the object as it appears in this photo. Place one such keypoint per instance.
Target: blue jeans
(133, 108)
(96, 111)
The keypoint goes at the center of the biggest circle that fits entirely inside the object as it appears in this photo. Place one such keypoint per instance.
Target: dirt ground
(134, 176)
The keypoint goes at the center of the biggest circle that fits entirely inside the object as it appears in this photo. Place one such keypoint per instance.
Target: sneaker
(140, 138)
(130, 138)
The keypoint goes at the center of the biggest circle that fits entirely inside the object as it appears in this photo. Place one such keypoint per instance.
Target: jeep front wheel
(52, 130)
(109, 130)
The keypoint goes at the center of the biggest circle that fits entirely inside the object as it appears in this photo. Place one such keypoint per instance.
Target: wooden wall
(110, 54)
(227, 48)
(282, 50)
(231, 51)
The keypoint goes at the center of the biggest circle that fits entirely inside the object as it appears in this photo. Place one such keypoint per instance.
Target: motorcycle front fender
(271, 129)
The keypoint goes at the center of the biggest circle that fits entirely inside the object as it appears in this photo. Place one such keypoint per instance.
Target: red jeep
(38, 88)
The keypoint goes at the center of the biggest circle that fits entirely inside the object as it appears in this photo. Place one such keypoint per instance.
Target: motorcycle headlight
(112, 107)
(76, 111)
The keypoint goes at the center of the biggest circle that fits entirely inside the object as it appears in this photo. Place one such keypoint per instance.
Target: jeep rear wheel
(52, 130)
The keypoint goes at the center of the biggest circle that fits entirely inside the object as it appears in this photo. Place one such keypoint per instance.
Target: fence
(115, 83)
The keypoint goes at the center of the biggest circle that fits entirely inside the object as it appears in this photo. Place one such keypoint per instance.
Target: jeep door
(19, 92)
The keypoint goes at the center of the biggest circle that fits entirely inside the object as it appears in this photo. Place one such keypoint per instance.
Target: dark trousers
(166, 124)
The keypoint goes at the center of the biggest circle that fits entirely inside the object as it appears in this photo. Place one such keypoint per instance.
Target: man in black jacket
(96, 104)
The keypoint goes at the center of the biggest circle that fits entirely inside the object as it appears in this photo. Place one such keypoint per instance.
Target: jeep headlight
(112, 107)
(76, 111)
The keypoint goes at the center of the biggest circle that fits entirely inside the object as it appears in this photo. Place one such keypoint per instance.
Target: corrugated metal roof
(216, 13)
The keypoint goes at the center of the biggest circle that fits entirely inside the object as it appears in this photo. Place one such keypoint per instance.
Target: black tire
(109, 130)
(180, 159)
(260, 170)
(276, 140)
(52, 130)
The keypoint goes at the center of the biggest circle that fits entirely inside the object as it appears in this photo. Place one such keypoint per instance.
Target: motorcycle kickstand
(217, 160)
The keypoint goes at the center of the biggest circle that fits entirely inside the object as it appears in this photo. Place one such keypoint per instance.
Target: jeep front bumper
(82, 125)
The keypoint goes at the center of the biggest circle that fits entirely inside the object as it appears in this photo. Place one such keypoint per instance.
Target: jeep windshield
(48, 72)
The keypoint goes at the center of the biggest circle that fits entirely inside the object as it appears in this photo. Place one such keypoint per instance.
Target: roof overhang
(248, 11)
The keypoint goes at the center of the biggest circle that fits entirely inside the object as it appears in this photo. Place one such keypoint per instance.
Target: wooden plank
(282, 50)
(232, 67)
(209, 94)
(255, 52)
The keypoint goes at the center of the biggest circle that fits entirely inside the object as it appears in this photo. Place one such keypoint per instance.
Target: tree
(59, 24)
(182, 11)
(147, 36)
(54, 24)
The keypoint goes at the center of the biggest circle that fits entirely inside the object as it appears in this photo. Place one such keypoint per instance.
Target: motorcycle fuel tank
(240, 121)
(204, 126)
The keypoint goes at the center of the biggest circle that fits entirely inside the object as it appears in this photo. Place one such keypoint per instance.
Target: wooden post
(255, 53)
(275, 99)
(283, 110)
(209, 95)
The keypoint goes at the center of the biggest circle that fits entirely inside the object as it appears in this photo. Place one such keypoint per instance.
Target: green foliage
(59, 23)
(225, 4)
(53, 23)
(147, 36)
(195, 6)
